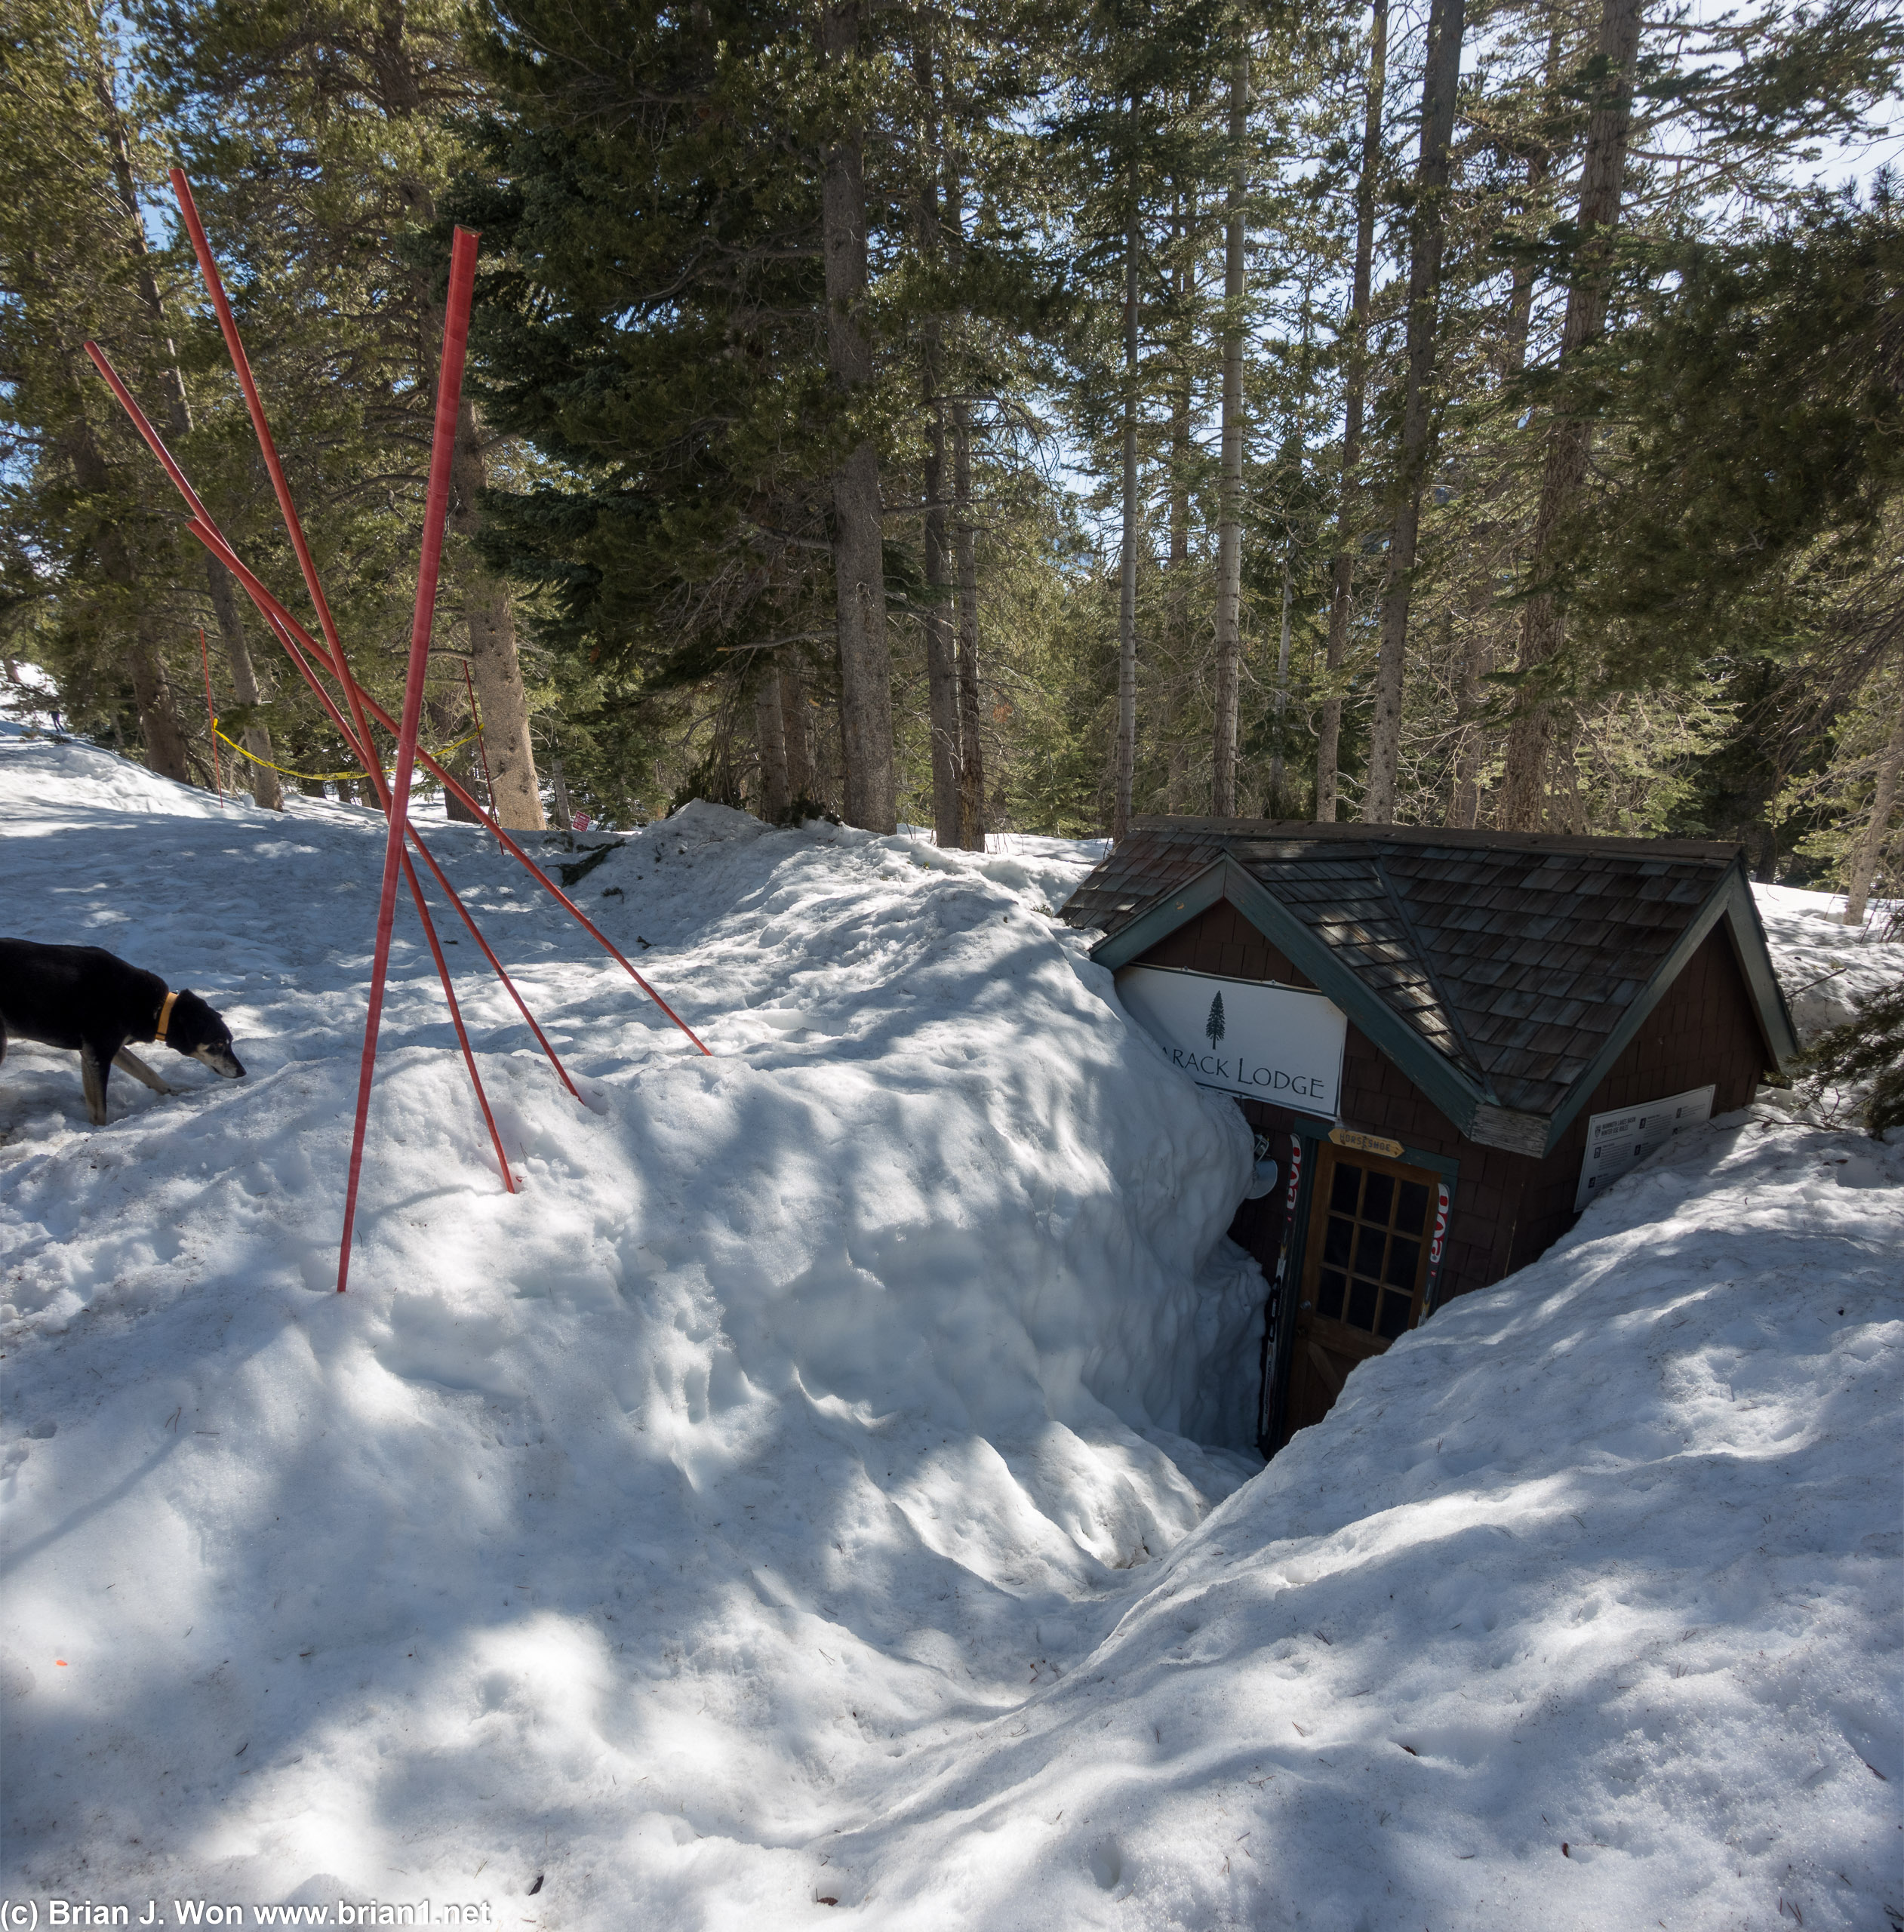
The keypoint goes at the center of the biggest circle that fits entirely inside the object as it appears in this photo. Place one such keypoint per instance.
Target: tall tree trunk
(1871, 845)
(1229, 500)
(1602, 173)
(941, 662)
(1273, 806)
(1487, 643)
(1477, 660)
(158, 723)
(859, 561)
(559, 785)
(255, 739)
(770, 742)
(971, 750)
(265, 789)
(1484, 632)
(1127, 740)
(515, 796)
(1176, 480)
(1328, 748)
(793, 732)
(1183, 219)
(151, 691)
(449, 720)
(1440, 82)
(941, 665)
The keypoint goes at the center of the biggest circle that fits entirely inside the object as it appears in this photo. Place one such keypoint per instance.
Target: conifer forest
(991, 417)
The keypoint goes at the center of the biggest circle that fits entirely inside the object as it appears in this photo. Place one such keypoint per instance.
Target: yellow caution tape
(318, 778)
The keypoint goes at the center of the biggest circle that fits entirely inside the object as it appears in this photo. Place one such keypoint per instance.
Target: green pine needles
(1866, 1052)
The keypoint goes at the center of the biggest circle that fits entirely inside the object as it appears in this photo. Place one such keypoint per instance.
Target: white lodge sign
(1265, 1042)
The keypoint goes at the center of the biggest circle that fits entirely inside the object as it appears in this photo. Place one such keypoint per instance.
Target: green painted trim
(1443, 1164)
(1730, 900)
(1754, 964)
(1161, 917)
(1451, 1091)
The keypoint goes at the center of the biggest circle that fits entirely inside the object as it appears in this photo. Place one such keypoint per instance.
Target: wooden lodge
(1446, 1041)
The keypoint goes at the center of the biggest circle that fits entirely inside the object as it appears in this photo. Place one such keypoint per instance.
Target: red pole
(449, 892)
(436, 510)
(274, 617)
(287, 626)
(211, 722)
(287, 509)
(276, 612)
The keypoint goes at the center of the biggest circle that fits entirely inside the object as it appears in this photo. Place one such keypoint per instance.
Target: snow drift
(761, 1509)
(1582, 1609)
(880, 1334)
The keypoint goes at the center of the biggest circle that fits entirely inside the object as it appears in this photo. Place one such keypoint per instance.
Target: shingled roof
(1504, 971)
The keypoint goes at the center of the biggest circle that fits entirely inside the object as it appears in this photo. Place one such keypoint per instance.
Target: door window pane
(1369, 1244)
(1412, 1214)
(1368, 1259)
(1378, 1195)
(1347, 1185)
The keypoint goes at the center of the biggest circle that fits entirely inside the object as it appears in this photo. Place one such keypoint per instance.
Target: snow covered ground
(807, 1495)
(1825, 967)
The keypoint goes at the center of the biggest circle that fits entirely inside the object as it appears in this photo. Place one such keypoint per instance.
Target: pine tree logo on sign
(1261, 1040)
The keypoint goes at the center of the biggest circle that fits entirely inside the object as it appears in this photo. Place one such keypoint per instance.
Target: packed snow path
(766, 1507)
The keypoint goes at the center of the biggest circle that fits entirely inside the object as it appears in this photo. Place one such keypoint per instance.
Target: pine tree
(318, 130)
(1865, 1054)
(97, 571)
(1440, 78)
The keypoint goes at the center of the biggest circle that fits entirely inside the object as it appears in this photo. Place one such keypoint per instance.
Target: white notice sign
(1265, 1042)
(1616, 1142)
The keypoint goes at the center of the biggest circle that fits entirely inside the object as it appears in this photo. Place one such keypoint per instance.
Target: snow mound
(789, 1408)
(1582, 1609)
(59, 780)
(809, 1487)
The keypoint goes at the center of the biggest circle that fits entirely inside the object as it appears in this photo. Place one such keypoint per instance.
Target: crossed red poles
(393, 793)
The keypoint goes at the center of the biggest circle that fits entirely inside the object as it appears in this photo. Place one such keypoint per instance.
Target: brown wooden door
(1364, 1273)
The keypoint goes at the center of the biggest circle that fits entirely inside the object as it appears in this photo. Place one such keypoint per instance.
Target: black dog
(83, 998)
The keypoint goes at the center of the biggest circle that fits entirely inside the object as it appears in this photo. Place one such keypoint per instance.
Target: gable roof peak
(1500, 970)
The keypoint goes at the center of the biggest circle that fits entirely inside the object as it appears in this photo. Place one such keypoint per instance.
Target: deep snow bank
(1582, 1609)
(730, 1522)
(785, 1411)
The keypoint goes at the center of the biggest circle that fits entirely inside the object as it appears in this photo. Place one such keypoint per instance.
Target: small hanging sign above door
(1244, 1036)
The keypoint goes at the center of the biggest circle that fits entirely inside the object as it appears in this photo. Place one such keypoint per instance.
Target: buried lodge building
(1449, 1040)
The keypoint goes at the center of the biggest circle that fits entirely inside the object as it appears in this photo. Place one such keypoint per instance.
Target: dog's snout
(222, 1061)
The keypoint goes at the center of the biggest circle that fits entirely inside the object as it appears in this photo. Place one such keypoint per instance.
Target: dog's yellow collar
(164, 1016)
